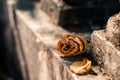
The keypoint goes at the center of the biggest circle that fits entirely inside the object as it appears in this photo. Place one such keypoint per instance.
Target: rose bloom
(71, 45)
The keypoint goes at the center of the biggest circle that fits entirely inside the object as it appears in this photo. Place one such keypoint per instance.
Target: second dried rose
(71, 45)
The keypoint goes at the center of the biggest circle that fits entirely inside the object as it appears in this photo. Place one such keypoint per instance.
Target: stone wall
(106, 47)
(35, 37)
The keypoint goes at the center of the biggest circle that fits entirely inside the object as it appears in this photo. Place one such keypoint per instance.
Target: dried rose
(81, 67)
(71, 45)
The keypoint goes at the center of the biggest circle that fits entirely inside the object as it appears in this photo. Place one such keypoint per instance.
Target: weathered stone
(40, 62)
(113, 30)
(105, 52)
(48, 33)
(36, 61)
(36, 37)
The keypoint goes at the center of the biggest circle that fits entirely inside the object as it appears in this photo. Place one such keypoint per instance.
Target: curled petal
(85, 43)
(81, 67)
(71, 45)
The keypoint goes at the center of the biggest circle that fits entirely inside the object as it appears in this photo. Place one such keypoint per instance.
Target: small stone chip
(81, 67)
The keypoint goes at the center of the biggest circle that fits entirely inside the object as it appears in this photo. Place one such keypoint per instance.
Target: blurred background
(9, 70)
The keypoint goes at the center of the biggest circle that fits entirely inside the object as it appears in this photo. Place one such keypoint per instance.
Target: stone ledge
(39, 60)
(36, 37)
(49, 33)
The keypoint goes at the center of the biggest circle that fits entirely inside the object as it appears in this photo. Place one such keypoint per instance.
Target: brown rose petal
(85, 43)
(81, 67)
(66, 36)
(75, 49)
(71, 45)
(66, 48)
(80, 43)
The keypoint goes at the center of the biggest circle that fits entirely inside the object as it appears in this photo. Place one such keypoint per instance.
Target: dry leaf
(71, 45)
(81, 67)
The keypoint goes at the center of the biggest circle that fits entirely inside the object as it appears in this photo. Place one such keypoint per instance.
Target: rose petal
(81, 67)
(71, 45)
(85, 44)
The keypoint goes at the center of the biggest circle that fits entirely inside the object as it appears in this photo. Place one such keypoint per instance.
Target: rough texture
(39, 62)
(113, 30)
(46, 32)
(106, 52)
(36, 36)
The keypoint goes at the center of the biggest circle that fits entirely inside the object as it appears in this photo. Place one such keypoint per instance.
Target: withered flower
(71, 45)
(81, 67)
